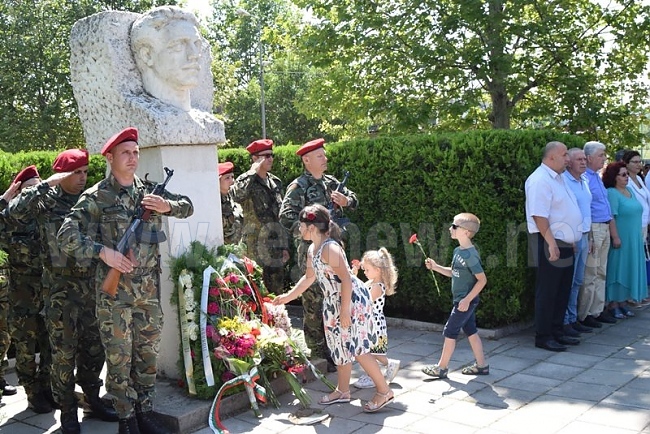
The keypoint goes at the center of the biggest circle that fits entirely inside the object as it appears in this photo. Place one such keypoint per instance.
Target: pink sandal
(339, 397)
(373, 406)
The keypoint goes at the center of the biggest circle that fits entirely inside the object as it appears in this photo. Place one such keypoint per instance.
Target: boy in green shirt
(467, 281)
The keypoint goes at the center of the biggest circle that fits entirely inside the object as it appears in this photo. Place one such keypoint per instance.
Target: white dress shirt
(548, 196)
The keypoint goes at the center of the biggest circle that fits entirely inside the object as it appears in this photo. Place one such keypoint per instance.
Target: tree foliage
(415, 65)
(239, 33)
(37, 107)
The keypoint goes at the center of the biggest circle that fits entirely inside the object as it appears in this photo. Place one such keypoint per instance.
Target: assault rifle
(133, 235)
(338, 217)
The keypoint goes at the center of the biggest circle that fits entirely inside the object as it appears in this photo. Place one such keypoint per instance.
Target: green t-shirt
(466, 263)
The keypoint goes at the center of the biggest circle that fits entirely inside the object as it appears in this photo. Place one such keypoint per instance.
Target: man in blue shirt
(591, 301)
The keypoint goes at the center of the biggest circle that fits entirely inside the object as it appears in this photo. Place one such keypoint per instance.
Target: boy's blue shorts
(461, 320)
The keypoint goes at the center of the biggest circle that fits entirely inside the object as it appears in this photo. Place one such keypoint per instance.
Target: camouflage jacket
(232, 219)
(49, 205)
(259, 198)
(20, 239)
(307, 190)
(103, 214)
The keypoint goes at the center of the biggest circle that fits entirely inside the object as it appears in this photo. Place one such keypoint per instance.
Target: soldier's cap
(310, 146)
(26, 174)
(259, 146)
(129, 134)
(70, 160)
(226, 167)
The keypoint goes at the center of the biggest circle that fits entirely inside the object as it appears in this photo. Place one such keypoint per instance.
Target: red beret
(70, 160)
(259, 146)
(226, 167)
(129, 134)
(27, 173)
(310, 146)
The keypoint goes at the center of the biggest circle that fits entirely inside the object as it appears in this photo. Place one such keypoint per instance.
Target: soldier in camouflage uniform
(70, 308)
(310, 188)
(130, 320)
(26, 299)
(260, 194)
(232, 215)
(5, 337)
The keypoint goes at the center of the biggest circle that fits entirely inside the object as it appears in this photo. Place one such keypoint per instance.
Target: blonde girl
(382, 279)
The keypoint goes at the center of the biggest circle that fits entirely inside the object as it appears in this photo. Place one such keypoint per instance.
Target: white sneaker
(365, 382)
(391, 370)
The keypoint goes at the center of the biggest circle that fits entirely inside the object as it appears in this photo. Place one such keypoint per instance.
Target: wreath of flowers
(244, 335)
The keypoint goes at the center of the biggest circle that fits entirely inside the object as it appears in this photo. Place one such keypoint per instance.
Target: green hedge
(416, 184)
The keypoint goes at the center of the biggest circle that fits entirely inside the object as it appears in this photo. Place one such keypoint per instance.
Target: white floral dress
(360, 337)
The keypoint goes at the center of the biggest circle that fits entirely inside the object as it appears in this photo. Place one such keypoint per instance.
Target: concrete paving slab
(582, 391)
(617, 416)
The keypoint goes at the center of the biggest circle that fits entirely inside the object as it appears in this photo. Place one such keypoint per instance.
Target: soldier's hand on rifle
(56, 178)
(340, 199)
(156, 203)
(115, 259)
(12, 191)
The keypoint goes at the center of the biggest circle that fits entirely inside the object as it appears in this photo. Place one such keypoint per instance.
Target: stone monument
(152, 71)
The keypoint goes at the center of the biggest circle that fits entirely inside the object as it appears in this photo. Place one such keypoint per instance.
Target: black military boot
(150, 424)
(97, 409)
(39, 404)
(47, 394)
(128, 426)
(70, 422)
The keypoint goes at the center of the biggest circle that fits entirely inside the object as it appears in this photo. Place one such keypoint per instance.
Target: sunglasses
(454, 226)
(265, 155)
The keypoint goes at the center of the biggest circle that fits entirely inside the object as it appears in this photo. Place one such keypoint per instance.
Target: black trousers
(552, 288)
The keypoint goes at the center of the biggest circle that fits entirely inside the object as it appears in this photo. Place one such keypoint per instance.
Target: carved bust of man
(166, 46)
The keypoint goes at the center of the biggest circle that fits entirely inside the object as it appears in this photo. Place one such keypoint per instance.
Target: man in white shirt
(554, 222)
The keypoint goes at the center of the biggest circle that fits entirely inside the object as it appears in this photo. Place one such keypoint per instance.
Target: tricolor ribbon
(255, 392)
(205, 350)
(185, 339)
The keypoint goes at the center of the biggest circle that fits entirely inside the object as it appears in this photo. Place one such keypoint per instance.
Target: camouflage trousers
(74, 337)
(265, 246)
(312, 305)
(5, 337)
(28, 331)
(130, 326)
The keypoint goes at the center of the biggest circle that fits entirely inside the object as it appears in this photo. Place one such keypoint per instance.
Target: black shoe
(590, 321)
(550, 345)
(570, 331)
(149, 423)
(566, 340)
(96, 407)
(128, 426)
(606, 318)
(331, 367)
(39, 404)
(70, 422)
(7, 389)
(47, 394)
(581, 328)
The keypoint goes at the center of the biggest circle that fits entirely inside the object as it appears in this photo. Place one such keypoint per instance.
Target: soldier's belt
(71, 272)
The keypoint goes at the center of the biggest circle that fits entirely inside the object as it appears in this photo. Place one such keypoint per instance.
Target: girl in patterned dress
(382, 277)
(347, 309)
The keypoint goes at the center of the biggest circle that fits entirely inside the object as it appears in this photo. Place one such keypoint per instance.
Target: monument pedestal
(194, 176)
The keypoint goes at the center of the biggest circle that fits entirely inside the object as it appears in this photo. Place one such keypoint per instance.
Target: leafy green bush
(416, 184)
